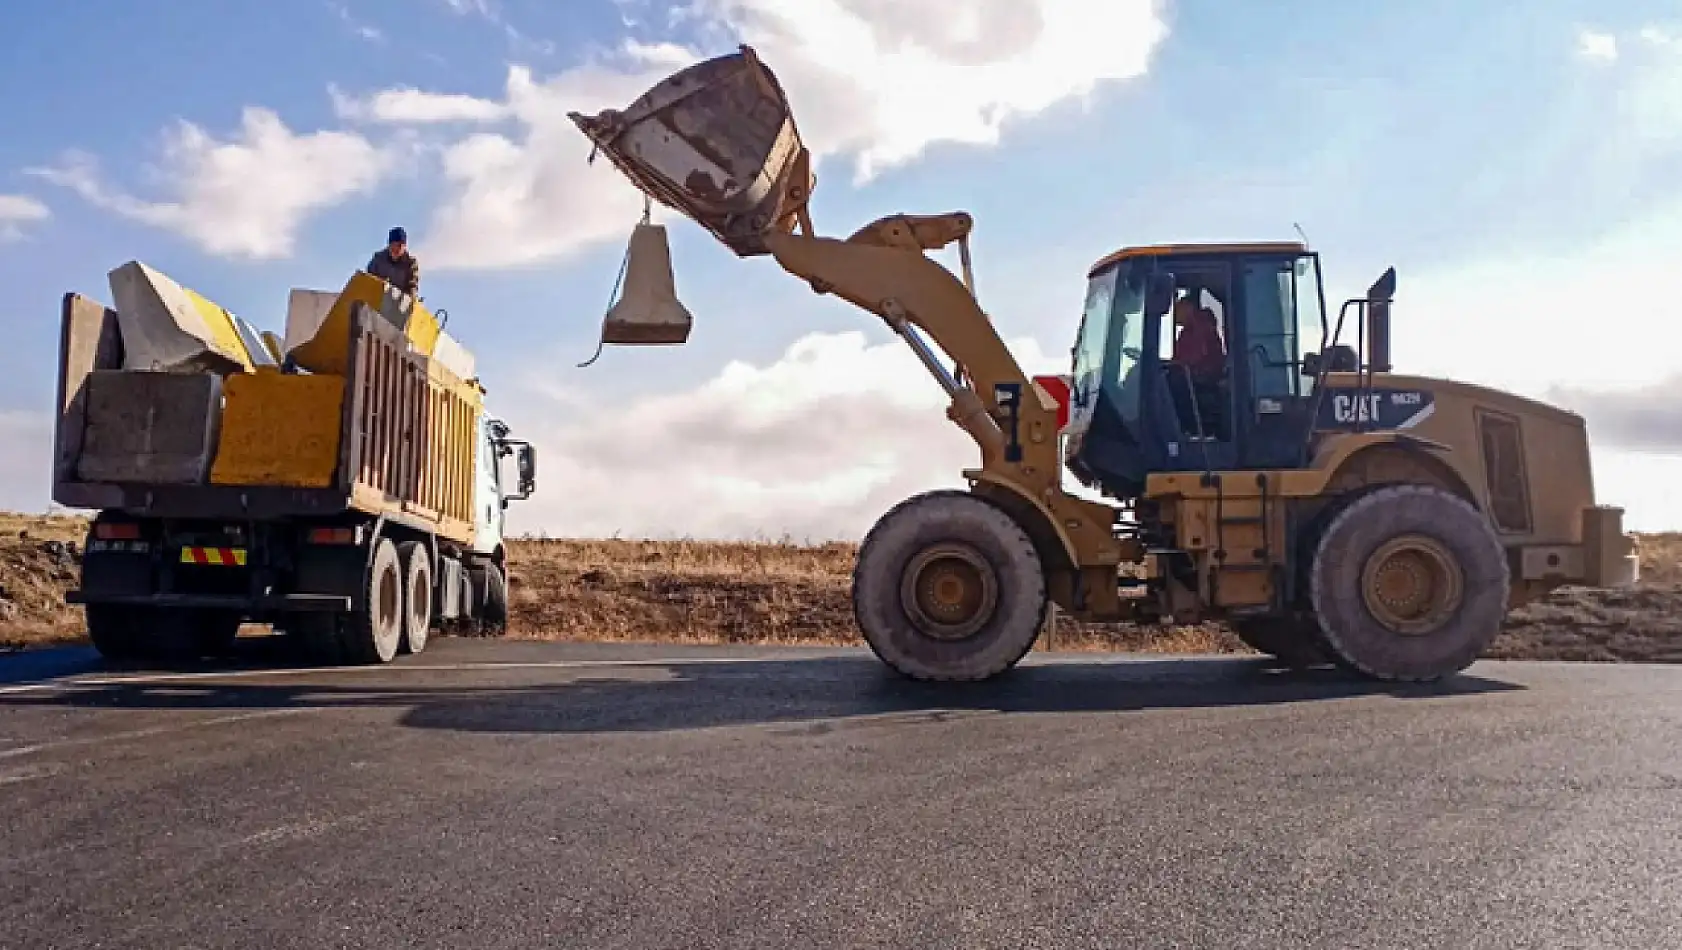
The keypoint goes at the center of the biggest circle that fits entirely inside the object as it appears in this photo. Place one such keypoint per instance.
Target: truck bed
(393, 435)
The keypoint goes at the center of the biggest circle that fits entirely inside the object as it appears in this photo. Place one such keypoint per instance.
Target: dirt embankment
(713, 592)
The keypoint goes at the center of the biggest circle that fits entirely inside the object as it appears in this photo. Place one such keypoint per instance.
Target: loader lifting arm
(882, 269)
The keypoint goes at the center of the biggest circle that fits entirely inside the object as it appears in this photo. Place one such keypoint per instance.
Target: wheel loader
(1328, 508)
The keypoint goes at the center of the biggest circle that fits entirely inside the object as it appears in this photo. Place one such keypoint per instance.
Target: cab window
(1271, 291)
(1094, 334)
(1128, 319)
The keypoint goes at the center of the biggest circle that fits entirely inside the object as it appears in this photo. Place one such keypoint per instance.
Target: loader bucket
(717, 142)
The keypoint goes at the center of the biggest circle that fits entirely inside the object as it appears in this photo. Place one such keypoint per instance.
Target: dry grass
(37, 565)
(714, 592)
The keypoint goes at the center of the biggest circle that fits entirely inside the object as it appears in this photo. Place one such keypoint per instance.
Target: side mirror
(1379, 296)
(1159, 295)
(527, 461)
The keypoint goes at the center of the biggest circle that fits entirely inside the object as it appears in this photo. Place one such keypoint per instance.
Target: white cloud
(817, 444)
(407, 105)
(1593, 330)
(1659, 36)
(1646, 419)
(492, 14)
(871, 81)
(244, 197)
(1646, 110)
(19, 210)
(26, 465)
(1592, 44)
(517, 202)
(1639, 482)
(480, 7)
(367, 31)
(881, 80)
(1597, 318)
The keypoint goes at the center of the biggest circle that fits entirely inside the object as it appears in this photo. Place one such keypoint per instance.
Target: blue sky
(1516, 165)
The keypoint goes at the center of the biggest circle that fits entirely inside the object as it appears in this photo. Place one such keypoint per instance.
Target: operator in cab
(395, 265)
(1197, 341)
(1199, 348)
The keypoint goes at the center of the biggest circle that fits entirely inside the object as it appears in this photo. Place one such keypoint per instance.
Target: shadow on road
(690, 695)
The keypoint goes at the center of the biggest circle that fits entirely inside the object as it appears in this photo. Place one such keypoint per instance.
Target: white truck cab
(490, 495)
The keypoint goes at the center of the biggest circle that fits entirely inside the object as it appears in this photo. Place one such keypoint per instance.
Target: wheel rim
(420, 600)
(949, 591)
(389, 619)
(1412, 584)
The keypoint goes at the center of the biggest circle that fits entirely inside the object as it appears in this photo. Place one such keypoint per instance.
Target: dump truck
(1329, 508)
(344, 484)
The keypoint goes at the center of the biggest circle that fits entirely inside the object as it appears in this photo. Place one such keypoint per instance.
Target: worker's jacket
(1200, 348)
(402, 273)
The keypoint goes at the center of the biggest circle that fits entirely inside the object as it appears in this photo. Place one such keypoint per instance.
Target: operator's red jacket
(1199, 346)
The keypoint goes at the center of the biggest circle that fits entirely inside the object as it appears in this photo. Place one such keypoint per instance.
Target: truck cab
(491, 493)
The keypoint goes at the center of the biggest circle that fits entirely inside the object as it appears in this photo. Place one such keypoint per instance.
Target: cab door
(1275, 296)
(1192, 422)
(488, 514)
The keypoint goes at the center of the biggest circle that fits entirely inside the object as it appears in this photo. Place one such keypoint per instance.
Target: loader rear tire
(1409, 583)
(949, 587)
(1295, 643)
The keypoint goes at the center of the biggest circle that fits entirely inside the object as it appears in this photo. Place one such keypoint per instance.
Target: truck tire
(949, 587)
(416, 561)
(1295, 643)
(1409, 583)
(211, 633)
(493, 616)
(372, 633)
(118, 632)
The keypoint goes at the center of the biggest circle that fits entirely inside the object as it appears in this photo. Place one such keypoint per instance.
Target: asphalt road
(489, 795)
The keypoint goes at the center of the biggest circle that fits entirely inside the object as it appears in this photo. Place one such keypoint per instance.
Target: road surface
(501, 794)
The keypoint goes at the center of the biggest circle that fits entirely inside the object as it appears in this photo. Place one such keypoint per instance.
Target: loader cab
(1189, 358)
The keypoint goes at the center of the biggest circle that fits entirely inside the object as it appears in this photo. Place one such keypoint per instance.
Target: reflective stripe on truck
(224, 557)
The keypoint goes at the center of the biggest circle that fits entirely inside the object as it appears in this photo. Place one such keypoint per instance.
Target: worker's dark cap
(396, 235)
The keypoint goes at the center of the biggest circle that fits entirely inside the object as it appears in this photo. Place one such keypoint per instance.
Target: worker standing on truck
(395, 265)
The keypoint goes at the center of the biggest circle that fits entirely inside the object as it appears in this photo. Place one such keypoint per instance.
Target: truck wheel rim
(1412, 584)
(949, 591)
(420, 595)
(391, 600)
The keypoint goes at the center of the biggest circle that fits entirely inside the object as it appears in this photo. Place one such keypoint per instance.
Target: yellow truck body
(372, 422)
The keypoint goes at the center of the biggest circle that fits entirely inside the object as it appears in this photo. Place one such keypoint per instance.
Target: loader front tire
(1409, 583)
(949, 587)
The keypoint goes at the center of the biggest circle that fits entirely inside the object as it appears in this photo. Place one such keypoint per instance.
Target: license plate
(97, 546)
